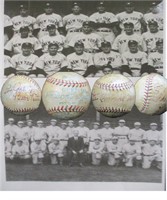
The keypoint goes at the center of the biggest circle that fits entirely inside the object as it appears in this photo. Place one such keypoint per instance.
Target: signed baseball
(151, 94)
(113, 95)
(20, 95)
(66, 95)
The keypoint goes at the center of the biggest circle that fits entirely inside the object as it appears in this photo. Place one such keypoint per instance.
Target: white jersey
(152, 135)
(39, 133)
(136, 134)
(21, 134)
(51, 64)
(20, 150)
(107, 134)
(91, 41)
(121, 42)
(150, 40)
(129, 149)
(113, 148)
(7, 21)
(70, 131)
(79, 63)
(37, 148)
(134, 60)
(96, 148)
(94, 133)
(7, 61)
(10, 130)
(121, 132)
(19, 21)
(16, 42)
(83, 131)
(63, 134)
(155, 60)
(43, 20)
(52, 132)
(158, 17)
(21, 62)
(29, 131)
(149, 150)
(74, 22)
(55, 148)
(134, 17)
(46, 40)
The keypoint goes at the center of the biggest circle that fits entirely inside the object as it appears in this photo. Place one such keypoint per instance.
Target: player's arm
(125, 66)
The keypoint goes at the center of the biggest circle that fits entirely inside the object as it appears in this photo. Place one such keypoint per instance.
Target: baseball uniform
(21, 134)
(39, 132)
(21, 152)
(158, 17)
(155, 60)
(84, 133)
(151, 135)
(70, 131)
(136, 135)
(63, 137)
(52, 132)
(122, 134)
(106, 134)
(7, 25)
(11, 131)
(79, 63)
(29, 131)
(8, 149)
(56, 153)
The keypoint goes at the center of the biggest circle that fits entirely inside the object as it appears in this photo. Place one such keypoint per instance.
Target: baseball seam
(113, 110)
(66, 109)
(66, 83)
(20, 110)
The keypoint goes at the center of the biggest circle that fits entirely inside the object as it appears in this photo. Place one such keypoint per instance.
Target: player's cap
(20, 122)
(19, 140)
(114, 138)
(39, 122)
(137, 124)
(79, 43)
(75, 4)
(106, 123)
(26, 45)
(53, 120)
(10, 120)
(153, 124)
(160, 41)
(128, 23)
(29, 120)
(81, 121)
(152, 22)
(105, 43)
(50, 26)
(129, 4)
(101, 3)
(24, 28)
(121, 121)
(63, 123)
(97, 138)
(96, 123)
(53, 44)
(22, 6)
(70, 121)
(37, 138)
(48, 5)
(132, 42)
(87, 23)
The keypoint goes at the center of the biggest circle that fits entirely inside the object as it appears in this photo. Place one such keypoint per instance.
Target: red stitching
(113, 110)
(66, 109)
(66, 83)
(20, 110)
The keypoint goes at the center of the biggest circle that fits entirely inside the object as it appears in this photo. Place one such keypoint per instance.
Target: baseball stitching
(115, 86)
(66, 83)
(66, 109)
(20, 110)
(113, 110)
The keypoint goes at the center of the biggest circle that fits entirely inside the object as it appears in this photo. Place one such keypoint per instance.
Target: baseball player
(39, 132)
(73, 22)
(49, 17)
(107, 70)
(154, 14)
(29, 129)
(151, 152)
(136, 134)
(8, 29)
(14, 45)
(121, 41)
(63, 135)
(155, 59)
(23, 19)
(21, 134)
(131, 152)
(104, 22)
(8, 147)
(25, 62)
(80, 61)
(10, 129)
(56, 152)
(107, 58)
(70, 128)
(52, 37)
(91, 41)
(131, 15)
(38, 150)
(134, 60)
(96, 150)
(95, 132)
(20, 150)
(106, 133)
(152, 134)
(121, 132)
(83, 131)
(53, 61)
(152, 36)
(114, 152)
(52, 130)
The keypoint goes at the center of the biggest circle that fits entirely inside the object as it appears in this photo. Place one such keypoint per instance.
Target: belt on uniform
(63, 140)
(106, 31)
(161, 67)
(134, 68)
(122, 137)
(73, 31)
(137, 140)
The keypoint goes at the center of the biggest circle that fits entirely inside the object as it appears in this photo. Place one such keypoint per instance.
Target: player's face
(86, 29)
(129, 9)
(19, 143)
(131, 142)
(101, 9)
(70, 124)
(75, 133)
(40, 125)
(79, 49)
(29, 124)
(107, 126)
(107, 71)
(153, 128)
(38, 141)
(56, 142)
(76, 10)
(23, 12)
(114, 141)
(121, 124)
(97, 142)
(95, 126)
(53, 50)
(153, 28)
(128, 29)
(52, 31)
(11, 122)
(63, 126)
(26, 51)
(48, 10)
(81, 124)
(24, 33)
(106, 49)
(152, 142)
(133, 48)
(20, 125)
(160, 48)
(137, 126)
(53, 123)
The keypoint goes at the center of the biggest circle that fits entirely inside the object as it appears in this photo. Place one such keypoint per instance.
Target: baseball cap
(22, 6)
(129, 4)
(121, 121)
(88, 23)
(114, 138)
(63, 123)
(49, 26)
(128, 23)
(96, 123)
(132, 42)
(20, 122)
(48, 5)
(153, 124)
(152, 22)
(160, 41)
(24, 28)
(81, 121)
(53, 120)
(105, 43)
(137, 124)
(39, 122)
(97, 138)
(29, 120)
(26, 45)
(75, 4)
(36, 138)
(79, 43)
(11, 119)
(101, 3)
(70, 121)
(53, 44)
(106, 123)
(19, 140)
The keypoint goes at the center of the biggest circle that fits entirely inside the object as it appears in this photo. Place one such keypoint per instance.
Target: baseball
(20, 95)
(113, 95)
(151, 94)
(66, 95)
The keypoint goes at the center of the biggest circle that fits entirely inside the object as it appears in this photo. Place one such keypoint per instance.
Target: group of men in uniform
(80, 145)
(129, 42)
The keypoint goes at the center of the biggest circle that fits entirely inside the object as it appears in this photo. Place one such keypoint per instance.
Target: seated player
(114, 152)
(56, 152)
(80, 61)
(107, 58)
(53, 61)
(155, 59)
(134, 61)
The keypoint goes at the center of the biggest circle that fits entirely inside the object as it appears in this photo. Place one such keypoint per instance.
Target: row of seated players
(119, 144)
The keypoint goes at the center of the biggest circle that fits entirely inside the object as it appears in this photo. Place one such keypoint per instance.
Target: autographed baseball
(113, 95)
(21, 95)
(66, 95)
(151, 94)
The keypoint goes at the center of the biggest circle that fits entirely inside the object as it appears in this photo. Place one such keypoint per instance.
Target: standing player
(106, 133)
(152, 36)
(70, 128)
(52, 130)
(63, 135)
(49, 17)
(10, 129)
(130, 15)
(83, 131)
(73, 22)
(80, 61)
(52, 61)
(107, 58)
(39, 133)
(155, 59)
(121, 41)
(95, 132)
(104, 22)
(8, 29)
(21, 134)
(91, 41)
(52, 37)
(29, 129)
(134, 61)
